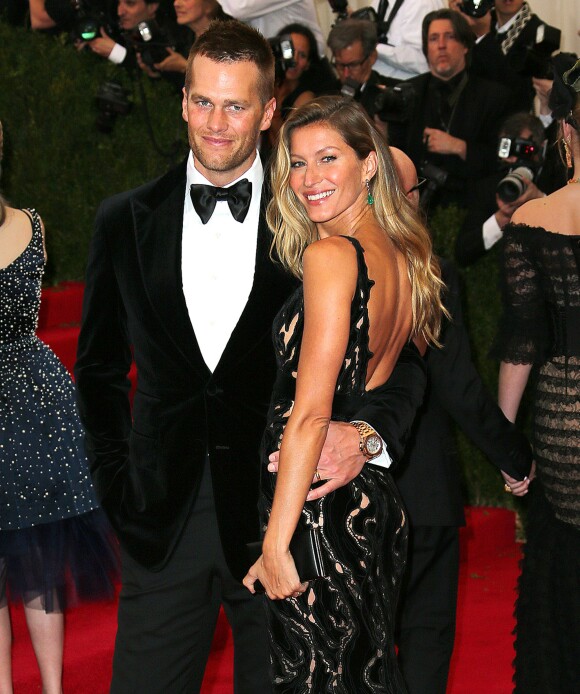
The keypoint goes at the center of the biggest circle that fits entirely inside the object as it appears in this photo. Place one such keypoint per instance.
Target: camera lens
(514, 184)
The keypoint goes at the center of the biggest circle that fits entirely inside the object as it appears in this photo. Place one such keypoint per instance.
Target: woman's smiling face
(326, 174)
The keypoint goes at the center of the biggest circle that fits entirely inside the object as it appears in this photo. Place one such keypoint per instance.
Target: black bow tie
(238, 197)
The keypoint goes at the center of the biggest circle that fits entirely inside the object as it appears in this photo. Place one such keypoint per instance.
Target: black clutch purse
(306, 550)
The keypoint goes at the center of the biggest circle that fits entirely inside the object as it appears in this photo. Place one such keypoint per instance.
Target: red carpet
(489, 570)
(481, 662)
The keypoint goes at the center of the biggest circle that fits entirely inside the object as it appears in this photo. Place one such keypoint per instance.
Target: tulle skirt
(53, 565)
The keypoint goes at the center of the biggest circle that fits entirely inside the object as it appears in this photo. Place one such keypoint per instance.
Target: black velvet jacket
(147, 467)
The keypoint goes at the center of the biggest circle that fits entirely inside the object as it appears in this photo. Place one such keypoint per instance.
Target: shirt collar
(505, 27)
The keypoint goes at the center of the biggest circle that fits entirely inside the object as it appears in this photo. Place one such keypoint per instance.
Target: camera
(514, 184)
(151, 42)
(111, 100)
(436, 179)
(476, 8)
(394, 103)
(537, 60)
(340, 8)
(88, 20)
(519, 147)
(283, 50)
(369, 14)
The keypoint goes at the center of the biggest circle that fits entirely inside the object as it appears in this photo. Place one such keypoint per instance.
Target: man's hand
(543, 87)
(505, 210)
(174, 62)
(102, 46)
(340, 461)
(440, 142)
(154, 74)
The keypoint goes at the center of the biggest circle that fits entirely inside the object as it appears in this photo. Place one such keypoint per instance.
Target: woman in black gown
(370, 284)
(540, 331)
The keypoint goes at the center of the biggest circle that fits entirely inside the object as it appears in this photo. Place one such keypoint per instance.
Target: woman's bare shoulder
(331, 256)
(552, 212)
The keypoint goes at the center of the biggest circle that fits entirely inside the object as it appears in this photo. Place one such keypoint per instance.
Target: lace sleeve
(523, 336)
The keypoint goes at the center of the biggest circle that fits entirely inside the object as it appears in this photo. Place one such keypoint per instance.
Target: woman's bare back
(390, 303)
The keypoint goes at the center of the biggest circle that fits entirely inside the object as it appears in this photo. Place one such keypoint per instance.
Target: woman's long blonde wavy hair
(294, 231)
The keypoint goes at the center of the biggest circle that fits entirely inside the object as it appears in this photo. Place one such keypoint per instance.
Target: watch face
(373, 445)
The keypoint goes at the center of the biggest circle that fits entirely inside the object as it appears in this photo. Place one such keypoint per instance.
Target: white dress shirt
(217, 293)
(402, 57)
(269, 16)
(218, 263)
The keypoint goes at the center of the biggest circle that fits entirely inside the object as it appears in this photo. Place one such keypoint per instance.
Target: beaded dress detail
(541, 326)
(339, 635)
(44, 476)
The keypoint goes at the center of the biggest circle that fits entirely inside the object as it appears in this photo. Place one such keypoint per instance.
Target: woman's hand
(278, 575)
(519, 487)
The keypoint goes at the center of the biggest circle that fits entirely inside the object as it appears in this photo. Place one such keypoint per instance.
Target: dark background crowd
(462, 89)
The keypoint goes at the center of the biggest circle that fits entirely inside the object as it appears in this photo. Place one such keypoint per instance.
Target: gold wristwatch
(370, 444)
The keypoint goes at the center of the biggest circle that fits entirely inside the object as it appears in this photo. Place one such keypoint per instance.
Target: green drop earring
(370, 198)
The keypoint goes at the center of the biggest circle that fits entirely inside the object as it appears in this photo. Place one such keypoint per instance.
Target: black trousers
(428, 606)
(167, 618)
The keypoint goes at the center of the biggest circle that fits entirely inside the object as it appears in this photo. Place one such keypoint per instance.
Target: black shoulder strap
(387, 25)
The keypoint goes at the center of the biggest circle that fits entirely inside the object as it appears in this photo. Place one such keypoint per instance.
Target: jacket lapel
(158, 224)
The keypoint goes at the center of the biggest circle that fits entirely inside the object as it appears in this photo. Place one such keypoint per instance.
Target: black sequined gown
(338, 636)
(53, 544)
(541, 326)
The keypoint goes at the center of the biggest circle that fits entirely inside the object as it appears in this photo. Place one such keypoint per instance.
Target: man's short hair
(345, 33)
(518, 122)
(461, 29)
(235, 42)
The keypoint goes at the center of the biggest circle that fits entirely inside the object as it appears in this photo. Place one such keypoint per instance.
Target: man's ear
(269, 109)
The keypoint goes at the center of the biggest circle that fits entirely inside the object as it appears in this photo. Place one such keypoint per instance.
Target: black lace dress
(541, 326)
(55, 544)
(338, 636)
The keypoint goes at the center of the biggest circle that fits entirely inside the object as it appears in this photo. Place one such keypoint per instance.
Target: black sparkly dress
(54, 545)
(338, 636)
(541, 326)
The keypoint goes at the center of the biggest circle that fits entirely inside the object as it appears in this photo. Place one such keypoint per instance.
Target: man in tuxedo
(180, 278)
(429, 481)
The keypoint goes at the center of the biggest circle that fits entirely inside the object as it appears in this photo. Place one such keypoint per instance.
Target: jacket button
(211, 390)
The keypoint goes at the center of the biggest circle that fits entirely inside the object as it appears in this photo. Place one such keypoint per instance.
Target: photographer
(353, 43)
(523, 173)
(54, 16)
(452, 130)
(293, 87)
(130, 14)
(194, 16)
(517, 50)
